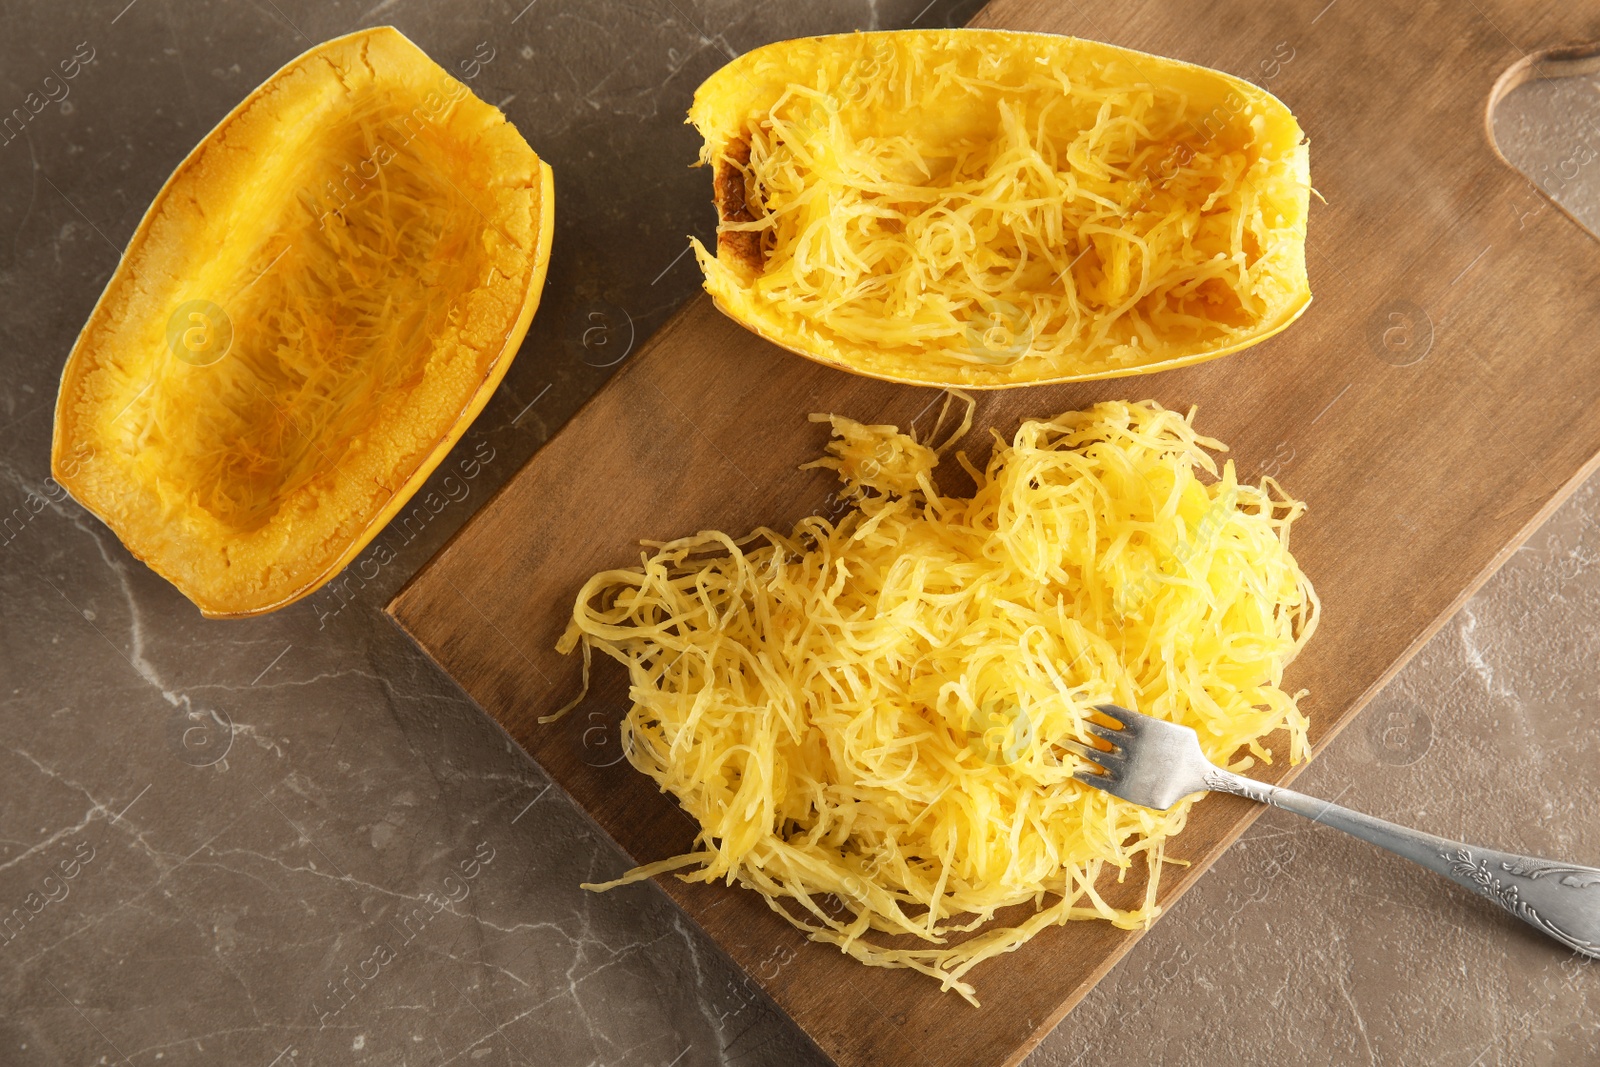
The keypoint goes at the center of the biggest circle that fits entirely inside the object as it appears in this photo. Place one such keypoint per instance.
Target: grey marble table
(252, 810)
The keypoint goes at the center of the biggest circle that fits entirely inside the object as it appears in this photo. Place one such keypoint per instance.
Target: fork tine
(1092, 754)
(1128, 719)
(1099, 781)
(1106, 733)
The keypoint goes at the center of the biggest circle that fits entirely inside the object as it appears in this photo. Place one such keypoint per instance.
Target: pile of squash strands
(862, 715)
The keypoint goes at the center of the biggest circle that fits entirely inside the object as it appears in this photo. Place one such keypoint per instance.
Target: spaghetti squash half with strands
(983, 208)
(863, 715)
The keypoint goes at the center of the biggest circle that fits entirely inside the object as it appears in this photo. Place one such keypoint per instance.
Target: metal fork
(1155, 764)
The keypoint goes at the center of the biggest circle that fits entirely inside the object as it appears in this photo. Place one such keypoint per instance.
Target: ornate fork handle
(1560, 899)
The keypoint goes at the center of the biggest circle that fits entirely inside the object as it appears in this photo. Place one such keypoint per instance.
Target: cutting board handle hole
(1562, 168)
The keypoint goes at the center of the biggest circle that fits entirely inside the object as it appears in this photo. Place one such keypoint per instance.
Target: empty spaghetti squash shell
(982, 208)
(318, 303)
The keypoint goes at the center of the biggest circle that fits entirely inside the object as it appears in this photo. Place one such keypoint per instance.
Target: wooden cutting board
(1439, 398)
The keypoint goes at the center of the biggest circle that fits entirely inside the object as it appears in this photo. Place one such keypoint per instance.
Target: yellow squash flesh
(983, 208)
(318, 303)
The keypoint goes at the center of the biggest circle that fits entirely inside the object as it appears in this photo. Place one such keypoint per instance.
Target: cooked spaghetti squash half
(983, 208)
(318, 303)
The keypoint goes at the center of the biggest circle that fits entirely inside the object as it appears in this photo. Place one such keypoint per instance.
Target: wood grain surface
(1438, 399)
